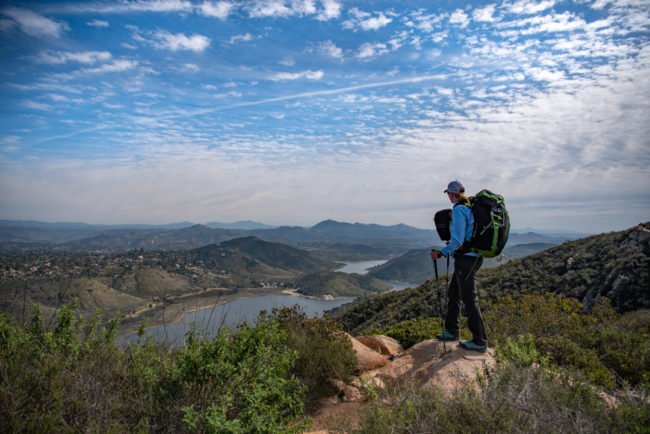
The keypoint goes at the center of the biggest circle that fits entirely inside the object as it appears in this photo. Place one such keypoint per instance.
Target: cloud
(189, 67)
(529, 7)
(331, 9)
(34, 24)
(180, 41)
(98, 23)
(279, 8)
(38, 105)
(459, 17)
(365, 21)
(136, 6)
(330, 49)
(60, 57)
(485, 14)
(376, 22)
(116, 66)
(368, 50)
(219, 10)
(241, 38)
(311, 75)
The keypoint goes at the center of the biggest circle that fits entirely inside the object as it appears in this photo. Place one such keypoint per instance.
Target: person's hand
(435, 254)
(447, 242)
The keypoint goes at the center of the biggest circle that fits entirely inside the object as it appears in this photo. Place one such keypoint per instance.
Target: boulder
(367, 358)
(428, 365)
(347, 392)
(382, 344)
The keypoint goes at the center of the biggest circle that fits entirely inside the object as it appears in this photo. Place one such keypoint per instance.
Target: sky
(289, 112)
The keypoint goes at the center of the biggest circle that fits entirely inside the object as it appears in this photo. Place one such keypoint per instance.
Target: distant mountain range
(242, 224)
(331, 239)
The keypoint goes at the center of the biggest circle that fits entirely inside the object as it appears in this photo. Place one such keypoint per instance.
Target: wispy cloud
(529, 7)
(280, 8)
(38, 105)
(126, 6)
(241, 38)
(98, 23)
(366, 21)
(311, 75)
(60, 57)
(34, 24)
(180, 41)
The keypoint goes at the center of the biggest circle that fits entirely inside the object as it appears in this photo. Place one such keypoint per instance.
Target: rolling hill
(415, 266)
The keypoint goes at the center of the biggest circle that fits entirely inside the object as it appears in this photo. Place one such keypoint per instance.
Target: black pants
(463, 286)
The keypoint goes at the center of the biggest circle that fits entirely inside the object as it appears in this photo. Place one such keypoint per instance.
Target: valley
(127, 270)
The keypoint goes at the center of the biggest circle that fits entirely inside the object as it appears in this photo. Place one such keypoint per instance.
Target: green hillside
(415, 266)
(138, 281)
(339, 284)
(613, 265)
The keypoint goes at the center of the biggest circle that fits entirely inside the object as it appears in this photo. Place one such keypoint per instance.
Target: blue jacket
(462, 225)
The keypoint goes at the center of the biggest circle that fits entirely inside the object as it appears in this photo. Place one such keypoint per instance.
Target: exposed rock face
(382, 344)
(367, 359)
(427, 365)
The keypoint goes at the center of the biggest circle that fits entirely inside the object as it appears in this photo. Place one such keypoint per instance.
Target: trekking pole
(447, 288)
(442, 324)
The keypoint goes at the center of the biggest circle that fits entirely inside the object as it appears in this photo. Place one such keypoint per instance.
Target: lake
(362, 267)
(233, 313)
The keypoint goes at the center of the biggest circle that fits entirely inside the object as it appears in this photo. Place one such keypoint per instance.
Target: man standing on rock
(463, 282)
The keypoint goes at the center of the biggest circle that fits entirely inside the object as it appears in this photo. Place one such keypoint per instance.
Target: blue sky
(291, 112)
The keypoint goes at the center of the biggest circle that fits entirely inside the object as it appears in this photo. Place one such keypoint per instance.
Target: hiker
(463, 281)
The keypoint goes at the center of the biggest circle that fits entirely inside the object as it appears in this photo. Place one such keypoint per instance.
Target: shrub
(412, 331)
(606, 347)
(71, 378)
(236, 382)
(76, 378)
(324, 351)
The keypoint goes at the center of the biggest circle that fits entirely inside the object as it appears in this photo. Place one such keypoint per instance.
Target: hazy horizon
(307, 225)
(292, 112)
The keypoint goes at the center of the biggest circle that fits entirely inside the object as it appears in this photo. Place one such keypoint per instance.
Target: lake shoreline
(174, 313)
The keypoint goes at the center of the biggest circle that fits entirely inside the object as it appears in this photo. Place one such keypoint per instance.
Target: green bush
(324, 351)
(70, 378)
(412, 331)
(237, 382)
(75, 378)
(606, 347)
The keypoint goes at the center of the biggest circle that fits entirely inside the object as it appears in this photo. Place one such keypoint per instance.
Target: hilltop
(615, 265)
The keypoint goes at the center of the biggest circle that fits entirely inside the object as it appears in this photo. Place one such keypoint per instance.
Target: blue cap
(454, 187)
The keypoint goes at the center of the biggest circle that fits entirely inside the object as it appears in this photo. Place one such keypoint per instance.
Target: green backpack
(491, 225)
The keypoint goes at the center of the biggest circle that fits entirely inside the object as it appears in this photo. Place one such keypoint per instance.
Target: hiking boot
(470, 345)
(446, 336)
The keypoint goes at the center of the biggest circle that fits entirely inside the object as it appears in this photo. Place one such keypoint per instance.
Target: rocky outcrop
(429, 364)
(382, 344)
(432, 364)
(367, 358)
